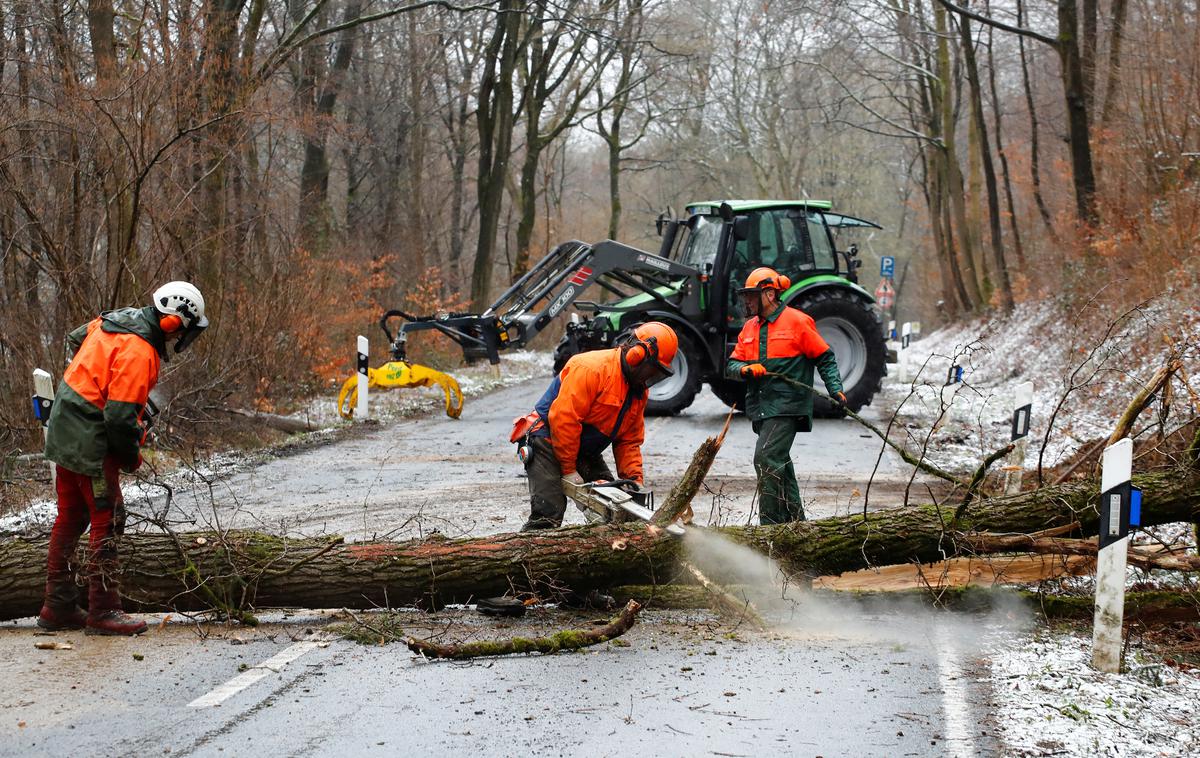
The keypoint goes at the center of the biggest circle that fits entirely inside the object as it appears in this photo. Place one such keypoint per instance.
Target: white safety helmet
(182, 299)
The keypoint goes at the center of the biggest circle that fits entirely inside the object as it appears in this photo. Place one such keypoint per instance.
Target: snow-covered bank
(1083, 375)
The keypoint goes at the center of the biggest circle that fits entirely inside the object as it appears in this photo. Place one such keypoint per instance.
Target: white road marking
(272, 665)
(960, 732)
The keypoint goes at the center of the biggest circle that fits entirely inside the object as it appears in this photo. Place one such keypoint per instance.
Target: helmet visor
(190, 334)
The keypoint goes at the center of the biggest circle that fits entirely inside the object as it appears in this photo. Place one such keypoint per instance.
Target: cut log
(243, 570)
(1027, 543)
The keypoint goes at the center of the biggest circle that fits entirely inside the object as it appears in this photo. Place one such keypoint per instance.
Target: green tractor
(711, 252)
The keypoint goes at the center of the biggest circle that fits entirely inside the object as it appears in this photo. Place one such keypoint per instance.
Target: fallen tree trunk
(241, 570)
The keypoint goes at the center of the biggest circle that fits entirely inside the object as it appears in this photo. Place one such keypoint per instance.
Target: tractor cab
(727, 240)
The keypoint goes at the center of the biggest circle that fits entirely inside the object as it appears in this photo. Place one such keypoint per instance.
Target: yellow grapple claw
(402, 374)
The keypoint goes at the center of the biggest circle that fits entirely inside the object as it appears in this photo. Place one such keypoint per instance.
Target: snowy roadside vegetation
(1048, 698)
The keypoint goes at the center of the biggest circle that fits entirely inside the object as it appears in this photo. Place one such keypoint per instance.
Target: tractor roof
(754, 205)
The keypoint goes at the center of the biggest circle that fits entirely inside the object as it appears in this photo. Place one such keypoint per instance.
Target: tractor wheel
(730, 392)
(854, 330)
(676, 392)
(567, 347)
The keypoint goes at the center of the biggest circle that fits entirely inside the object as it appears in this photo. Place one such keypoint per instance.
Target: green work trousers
(778, 491)
(547, 503)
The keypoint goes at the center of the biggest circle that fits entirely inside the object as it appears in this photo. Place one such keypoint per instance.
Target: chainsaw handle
(628, 485)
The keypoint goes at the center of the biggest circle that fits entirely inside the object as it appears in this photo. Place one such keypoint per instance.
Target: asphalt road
(827, 680)
(462, 477)
(879, 683)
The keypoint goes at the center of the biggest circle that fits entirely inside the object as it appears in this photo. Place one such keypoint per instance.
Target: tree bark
(237, 571)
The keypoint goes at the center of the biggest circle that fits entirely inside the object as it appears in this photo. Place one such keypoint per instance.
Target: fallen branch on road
(568, 639)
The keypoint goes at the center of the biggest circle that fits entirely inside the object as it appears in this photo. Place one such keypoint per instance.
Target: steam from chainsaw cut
(795, 611)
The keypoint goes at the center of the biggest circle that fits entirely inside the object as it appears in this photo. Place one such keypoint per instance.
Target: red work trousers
(77, 510)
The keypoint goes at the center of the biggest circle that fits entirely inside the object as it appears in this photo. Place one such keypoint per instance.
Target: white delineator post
(364, 353)
(1022, 408)
(43, 399)
(902, 353)
(954, 382)
(1115, 501)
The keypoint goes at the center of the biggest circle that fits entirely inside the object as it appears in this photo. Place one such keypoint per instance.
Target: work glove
(755, 370)
(839, 399)
(573, 478)
(129, 468)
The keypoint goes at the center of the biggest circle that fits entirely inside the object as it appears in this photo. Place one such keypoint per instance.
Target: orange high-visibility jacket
(98, 409)
(786, 342)
(582, 406)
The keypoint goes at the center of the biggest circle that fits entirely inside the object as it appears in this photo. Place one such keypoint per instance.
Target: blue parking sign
(887, 266)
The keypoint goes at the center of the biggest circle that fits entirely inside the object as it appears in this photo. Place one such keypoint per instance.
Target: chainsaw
(604, 502)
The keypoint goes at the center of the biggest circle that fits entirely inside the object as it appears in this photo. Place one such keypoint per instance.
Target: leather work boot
(116, 623)
(57, 620)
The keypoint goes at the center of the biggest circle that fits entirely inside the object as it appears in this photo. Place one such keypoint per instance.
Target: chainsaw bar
(605, 500)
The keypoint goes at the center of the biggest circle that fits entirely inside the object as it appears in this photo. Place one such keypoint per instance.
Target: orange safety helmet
(653, 339)
(765, 278)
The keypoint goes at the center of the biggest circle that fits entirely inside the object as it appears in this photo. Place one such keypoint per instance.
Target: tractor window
(822, 248)
(703, 242)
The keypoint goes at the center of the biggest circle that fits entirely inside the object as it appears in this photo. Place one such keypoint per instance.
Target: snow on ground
(1062, 355)
(1050, 701)
(1048, 698)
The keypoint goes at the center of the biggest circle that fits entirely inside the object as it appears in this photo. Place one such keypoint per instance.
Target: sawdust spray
(795, 611)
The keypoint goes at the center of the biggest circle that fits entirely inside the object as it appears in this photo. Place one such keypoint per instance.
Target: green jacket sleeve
(733, 369)
(828, 368)
(75, 339)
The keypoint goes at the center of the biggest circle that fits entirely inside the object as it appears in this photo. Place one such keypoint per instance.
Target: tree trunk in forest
(999, 269)
(1034, 149)
(953, 174)
(494, 119)
(235, 571)
(1014, 228)
(1116, 40)
(1079, 132)
(316, 103)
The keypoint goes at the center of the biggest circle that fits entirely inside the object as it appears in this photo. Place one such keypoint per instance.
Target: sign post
(1022, 408)
(1120, 507)
(364, 353)
(43, 401)
(902, 353)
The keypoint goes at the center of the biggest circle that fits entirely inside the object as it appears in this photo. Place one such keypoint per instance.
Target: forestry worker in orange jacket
(96, 429)
(775, 355)
(597, 400)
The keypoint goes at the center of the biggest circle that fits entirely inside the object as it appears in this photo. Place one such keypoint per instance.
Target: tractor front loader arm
(545, 291)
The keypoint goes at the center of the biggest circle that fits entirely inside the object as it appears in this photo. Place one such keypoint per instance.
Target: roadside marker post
(1120, 507)
(364, 353)
(902, 353)
(1022, 409)
(954, 382)
(43, 401)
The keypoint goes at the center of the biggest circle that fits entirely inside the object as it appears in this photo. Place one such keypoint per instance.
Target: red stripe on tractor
(581, 275)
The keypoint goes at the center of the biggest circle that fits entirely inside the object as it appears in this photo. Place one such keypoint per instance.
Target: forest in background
(309, 163)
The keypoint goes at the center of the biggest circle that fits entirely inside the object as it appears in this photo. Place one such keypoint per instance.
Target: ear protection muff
(640, 350)
(170, 323)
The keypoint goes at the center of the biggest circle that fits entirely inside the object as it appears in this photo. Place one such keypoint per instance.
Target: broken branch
(569, 639)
